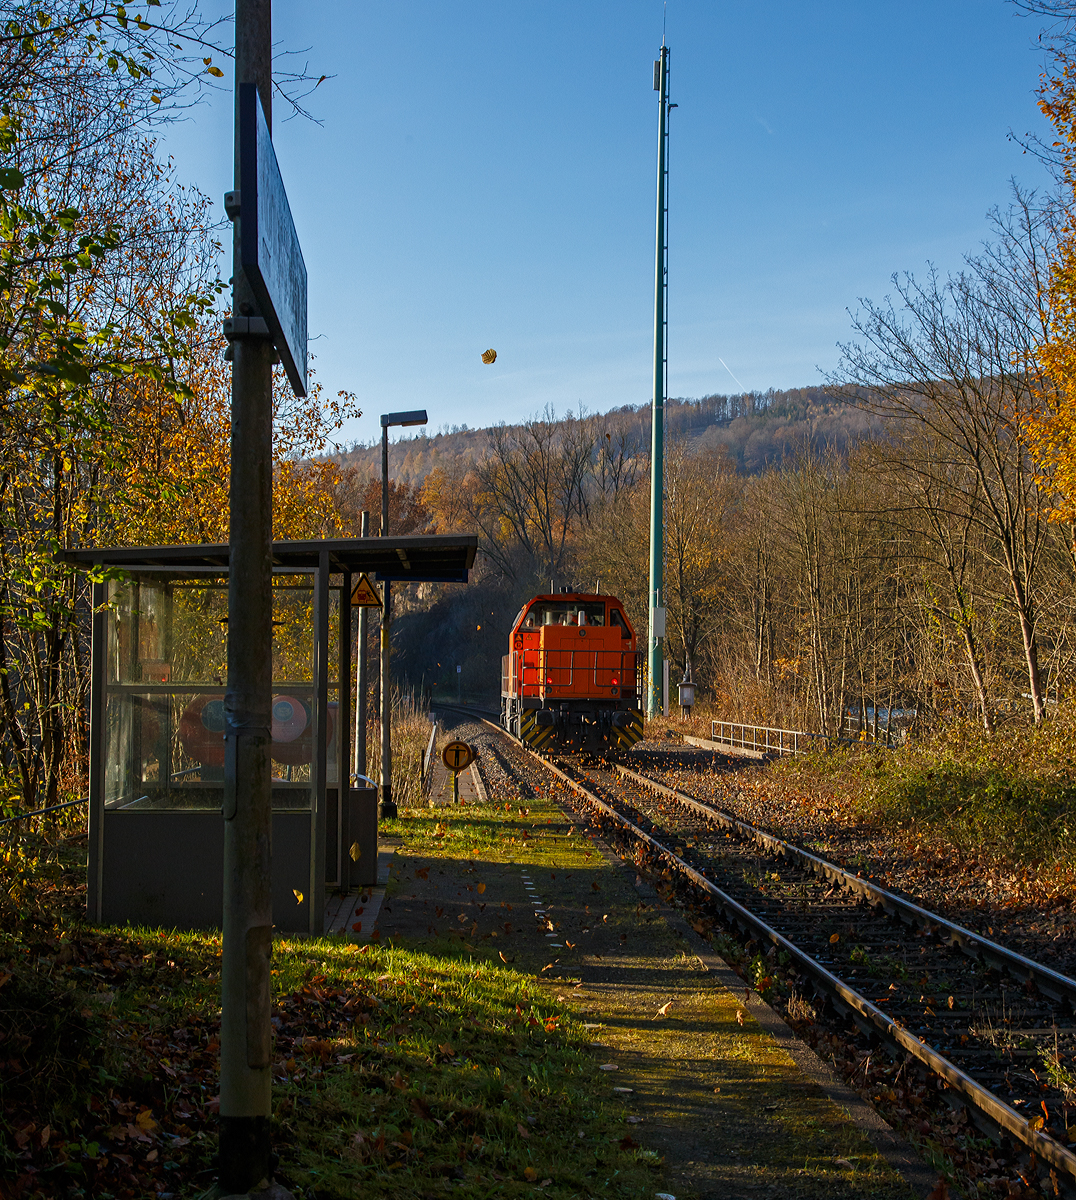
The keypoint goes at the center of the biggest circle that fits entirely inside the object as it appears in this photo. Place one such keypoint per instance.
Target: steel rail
(1052, 983)
(979, 1097)
(1047, 1148)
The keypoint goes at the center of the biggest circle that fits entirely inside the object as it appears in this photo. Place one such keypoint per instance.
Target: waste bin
(361, 839)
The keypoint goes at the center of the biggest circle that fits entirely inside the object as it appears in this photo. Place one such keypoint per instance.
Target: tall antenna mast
(656, 644)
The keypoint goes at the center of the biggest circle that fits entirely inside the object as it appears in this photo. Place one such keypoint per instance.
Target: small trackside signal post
(656, 642)
(457, 757)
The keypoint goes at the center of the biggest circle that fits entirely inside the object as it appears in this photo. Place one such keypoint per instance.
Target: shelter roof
(443, 558)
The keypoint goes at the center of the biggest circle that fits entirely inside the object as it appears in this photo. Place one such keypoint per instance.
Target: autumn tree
(955, 361)
(107, 269)
(533, 493)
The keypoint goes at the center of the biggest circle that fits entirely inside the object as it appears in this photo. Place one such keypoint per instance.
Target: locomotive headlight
(518, 642)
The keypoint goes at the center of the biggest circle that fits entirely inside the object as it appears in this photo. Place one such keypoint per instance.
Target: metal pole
(342, 766)
(656, 654)
(98, 663)
(319, 757)
(386, 807)
(245, 1081)
(360, 686)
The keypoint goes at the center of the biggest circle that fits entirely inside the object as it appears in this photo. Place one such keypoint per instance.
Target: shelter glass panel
(166, 670)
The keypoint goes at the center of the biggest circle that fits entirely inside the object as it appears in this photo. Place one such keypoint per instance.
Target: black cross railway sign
(458, 756)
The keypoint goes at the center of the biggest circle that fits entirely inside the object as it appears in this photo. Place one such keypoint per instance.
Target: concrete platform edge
(723, 747)
(896, 1150)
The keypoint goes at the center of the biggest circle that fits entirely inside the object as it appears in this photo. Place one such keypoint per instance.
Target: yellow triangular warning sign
(363, 594)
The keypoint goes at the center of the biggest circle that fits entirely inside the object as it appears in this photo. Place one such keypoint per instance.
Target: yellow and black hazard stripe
(533, 735)
(631, 733)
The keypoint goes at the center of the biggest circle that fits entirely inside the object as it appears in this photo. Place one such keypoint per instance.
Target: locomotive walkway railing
(565, 673)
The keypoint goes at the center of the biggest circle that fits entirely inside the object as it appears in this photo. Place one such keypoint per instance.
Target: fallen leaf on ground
(664, 1009)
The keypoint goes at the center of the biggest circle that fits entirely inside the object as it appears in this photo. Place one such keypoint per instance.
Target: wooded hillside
(758, 429)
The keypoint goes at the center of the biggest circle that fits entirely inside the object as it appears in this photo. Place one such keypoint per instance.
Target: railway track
(996, 1027)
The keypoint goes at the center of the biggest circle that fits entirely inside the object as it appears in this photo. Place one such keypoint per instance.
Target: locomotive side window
(618, 622)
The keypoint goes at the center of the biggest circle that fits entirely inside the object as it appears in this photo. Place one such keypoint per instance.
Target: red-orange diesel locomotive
(572, 677)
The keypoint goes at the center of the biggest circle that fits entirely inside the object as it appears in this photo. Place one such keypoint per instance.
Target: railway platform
(708, 1078)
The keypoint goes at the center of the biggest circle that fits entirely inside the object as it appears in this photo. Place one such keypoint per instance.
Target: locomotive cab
(572, 676)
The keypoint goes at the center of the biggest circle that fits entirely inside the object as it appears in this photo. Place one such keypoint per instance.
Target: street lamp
(416, 417)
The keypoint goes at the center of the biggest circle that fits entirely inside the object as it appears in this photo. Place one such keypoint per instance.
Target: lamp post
(416, 417)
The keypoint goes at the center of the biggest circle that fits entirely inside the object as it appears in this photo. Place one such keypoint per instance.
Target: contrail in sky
(728, 368)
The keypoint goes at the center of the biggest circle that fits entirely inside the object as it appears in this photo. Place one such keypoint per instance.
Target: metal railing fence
(38, 811)
(428, 756)
(762, 738)
(766, 739)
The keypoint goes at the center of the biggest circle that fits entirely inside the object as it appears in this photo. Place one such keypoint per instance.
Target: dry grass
(410, 734)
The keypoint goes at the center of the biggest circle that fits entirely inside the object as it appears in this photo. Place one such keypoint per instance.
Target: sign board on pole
(458, 756)
(269, 248)
(363, 594)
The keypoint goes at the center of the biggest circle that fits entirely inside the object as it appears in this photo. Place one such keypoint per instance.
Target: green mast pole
(656, 645)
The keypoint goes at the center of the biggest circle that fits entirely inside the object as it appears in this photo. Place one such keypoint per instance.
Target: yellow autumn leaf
(298, 895)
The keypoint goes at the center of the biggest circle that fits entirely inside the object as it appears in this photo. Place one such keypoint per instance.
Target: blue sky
(483, 175)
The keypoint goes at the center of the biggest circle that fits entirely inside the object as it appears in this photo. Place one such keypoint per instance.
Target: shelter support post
(361, 682)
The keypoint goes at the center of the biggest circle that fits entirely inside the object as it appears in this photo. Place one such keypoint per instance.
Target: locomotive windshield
(564, 612)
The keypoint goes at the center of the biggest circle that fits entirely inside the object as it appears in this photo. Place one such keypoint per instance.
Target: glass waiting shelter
(157, 682)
